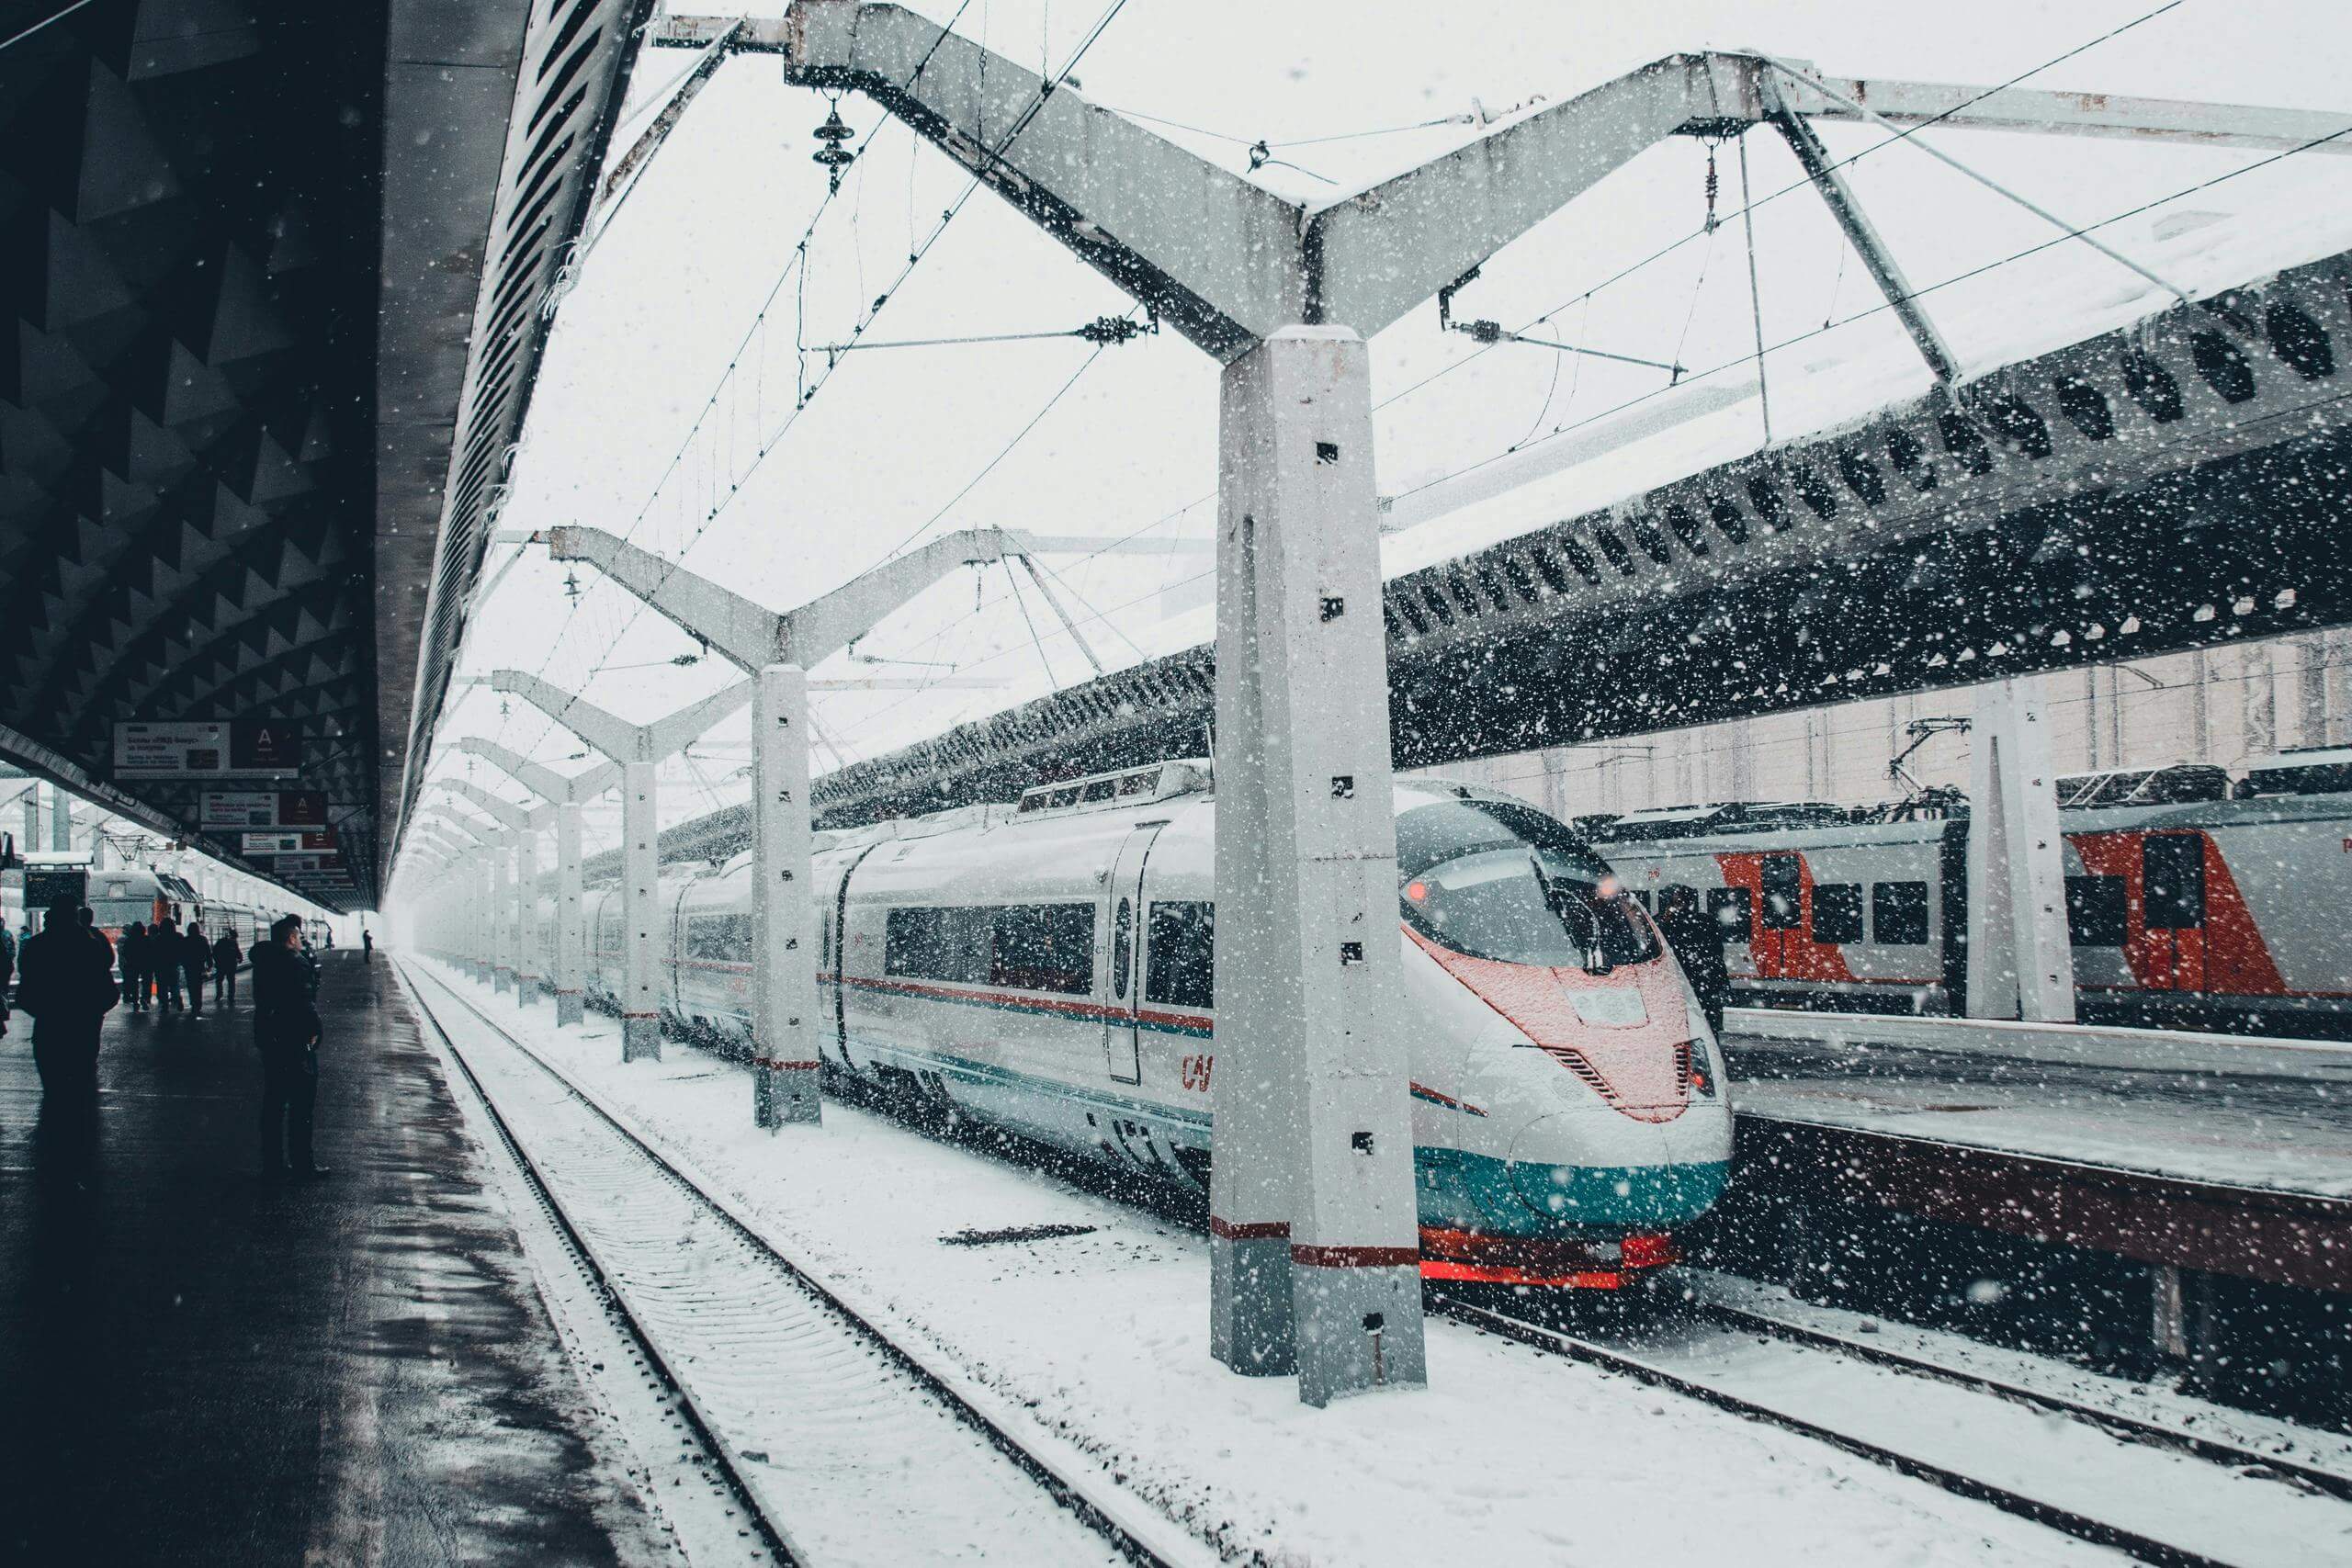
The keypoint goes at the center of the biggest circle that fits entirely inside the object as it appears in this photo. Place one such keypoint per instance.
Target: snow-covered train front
(1048, 967)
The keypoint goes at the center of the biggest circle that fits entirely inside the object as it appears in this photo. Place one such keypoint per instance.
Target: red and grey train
(2194, 900)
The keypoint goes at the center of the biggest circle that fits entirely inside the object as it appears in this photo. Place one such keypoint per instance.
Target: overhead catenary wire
(795, 267)
(995, 155)
(1974, 272)
(1748, 208)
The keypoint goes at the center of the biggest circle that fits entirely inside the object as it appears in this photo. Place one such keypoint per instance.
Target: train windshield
(1497, 880)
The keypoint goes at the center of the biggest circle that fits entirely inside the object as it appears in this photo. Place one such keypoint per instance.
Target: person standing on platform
(8, 973)
(164, 963)
(286, 1028)
(69, 989)
(1697, 939)
(132, 953)
(195, 958)
(366, 945)
(226, 957)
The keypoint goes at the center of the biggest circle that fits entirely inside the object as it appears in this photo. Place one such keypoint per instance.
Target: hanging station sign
(318, 841)
(207, 749)
(263, 809)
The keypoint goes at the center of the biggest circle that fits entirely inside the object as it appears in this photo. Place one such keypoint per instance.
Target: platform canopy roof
(271, 279)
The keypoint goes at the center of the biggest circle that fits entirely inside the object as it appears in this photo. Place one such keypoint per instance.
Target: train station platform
(2226, 1113)
(197, 1366)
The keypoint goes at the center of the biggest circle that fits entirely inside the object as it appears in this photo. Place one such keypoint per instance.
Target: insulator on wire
(831, 155)
(1108, 330)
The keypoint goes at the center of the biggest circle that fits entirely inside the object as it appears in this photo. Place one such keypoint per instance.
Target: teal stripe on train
(1458, 1189)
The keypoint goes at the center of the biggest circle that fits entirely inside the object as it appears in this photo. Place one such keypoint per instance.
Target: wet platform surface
(197, 1367)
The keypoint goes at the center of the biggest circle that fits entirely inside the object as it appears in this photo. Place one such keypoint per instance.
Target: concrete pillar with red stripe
(1314, 1235)
(569, 939)
(640, 917)
(784, 1066)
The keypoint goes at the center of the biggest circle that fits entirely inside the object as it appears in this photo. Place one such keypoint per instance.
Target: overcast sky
(905, 443)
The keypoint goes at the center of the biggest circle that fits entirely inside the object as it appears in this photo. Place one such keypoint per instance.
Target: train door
(1122, 1035)
(2172, 869)
(834, 960)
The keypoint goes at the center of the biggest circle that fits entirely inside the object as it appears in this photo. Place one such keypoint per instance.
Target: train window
(2175, 868)
(1837, 911)
(1782, 878)
(1732, 910)
(937, 944)
(1123, 948)
(1898, 913)
(1100, 789)
(1180, 956)
(720, 938)
(2095, 911)
(1494, 879)
(1043, 947)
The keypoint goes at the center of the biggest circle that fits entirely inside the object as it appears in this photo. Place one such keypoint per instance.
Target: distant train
(1048, 967)
(2193, 899)
(116, 897)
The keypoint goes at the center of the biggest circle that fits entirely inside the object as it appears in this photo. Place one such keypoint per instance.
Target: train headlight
(1702, 1071)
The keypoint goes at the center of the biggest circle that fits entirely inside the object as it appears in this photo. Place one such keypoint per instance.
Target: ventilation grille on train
(1574, 1060)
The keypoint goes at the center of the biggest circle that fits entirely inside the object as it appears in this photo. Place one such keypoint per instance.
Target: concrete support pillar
(2020, 963)
(30, 840)
(641, 877)
(502, 914)
(530, 945)
(783, 944)
(571, 941)
(61, 819)
(485, 891)
(1314, 1235)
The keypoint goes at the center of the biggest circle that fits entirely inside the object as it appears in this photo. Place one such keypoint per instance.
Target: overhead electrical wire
(1883, 305)
(914, 260)
(1747, 208)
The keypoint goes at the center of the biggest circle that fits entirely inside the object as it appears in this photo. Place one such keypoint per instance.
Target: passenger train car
(1048, 967)
(118, 896)
(2192, 900)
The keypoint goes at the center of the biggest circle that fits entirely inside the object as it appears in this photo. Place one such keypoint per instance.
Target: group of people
(154, 958)
(68, 986)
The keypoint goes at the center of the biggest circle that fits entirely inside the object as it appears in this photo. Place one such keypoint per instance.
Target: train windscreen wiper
(1560, 902)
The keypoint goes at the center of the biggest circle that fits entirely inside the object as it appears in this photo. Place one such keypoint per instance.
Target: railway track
(1815, 1385)
(840, 1443)
(2138, 1428)
(1907, 1433)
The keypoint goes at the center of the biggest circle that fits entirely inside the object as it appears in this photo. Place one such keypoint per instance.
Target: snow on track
(851, 1457)
(1508, 1457)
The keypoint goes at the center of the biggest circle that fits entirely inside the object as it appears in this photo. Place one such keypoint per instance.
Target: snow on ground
(1509, 1457)
(2279, 1134)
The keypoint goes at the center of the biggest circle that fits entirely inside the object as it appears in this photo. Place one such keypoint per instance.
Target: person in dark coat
(286, 1028)
(226, 958)
(69, 989)
(195, 957)
(8, 974)
(163, 963)
(1697, 939)
(132, 953)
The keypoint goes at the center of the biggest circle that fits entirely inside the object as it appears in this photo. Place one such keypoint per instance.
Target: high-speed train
(1047, 967)
(2193, 899)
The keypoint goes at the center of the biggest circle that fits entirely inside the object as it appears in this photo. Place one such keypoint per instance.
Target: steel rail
(1070, 1493)
(2081, 1527)
(721, 1460)
(2121, 1423)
